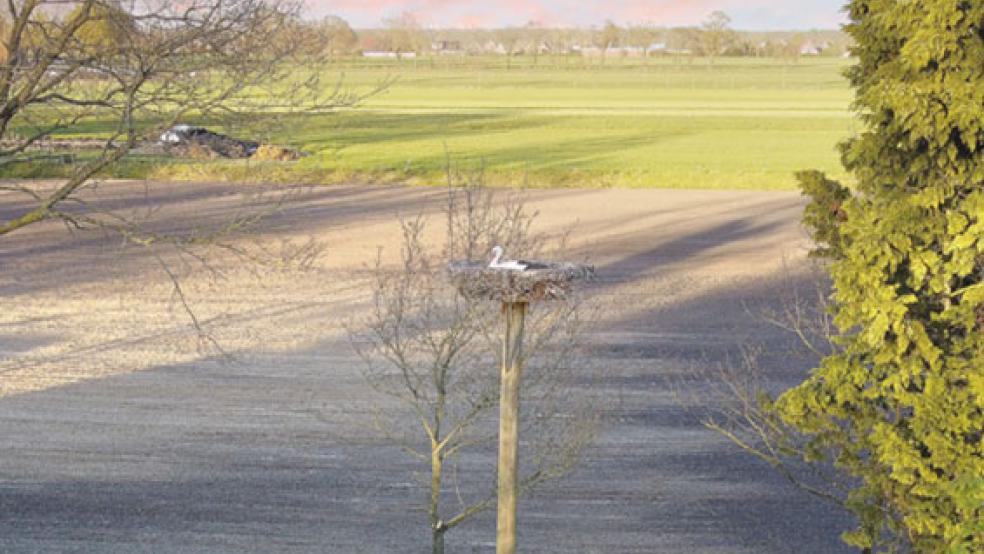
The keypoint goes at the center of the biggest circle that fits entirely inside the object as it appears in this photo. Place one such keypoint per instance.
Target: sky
(750, 15)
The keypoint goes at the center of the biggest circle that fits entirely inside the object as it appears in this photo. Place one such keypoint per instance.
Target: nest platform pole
(546, 281)
(512, 372)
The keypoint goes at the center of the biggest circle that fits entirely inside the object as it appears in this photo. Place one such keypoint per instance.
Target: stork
(497, 262)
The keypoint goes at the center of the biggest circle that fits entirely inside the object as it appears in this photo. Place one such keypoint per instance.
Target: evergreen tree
(900, 406)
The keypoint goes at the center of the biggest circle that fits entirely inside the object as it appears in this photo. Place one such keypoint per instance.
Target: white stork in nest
(496, 262)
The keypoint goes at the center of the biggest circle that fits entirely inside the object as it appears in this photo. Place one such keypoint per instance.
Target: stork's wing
(533, 265)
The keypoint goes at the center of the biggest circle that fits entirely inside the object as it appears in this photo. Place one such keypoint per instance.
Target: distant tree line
(404, 35)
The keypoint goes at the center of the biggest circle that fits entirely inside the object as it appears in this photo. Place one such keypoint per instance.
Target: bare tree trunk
(435, 499)
(438, 541)
(512, 369)
(438, 527)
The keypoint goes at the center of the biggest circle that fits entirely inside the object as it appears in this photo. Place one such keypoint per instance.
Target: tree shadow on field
(704, 486)
(202, 456)
(161, 461)
(48, 256)
(18, 344)
(685, 248)
(570, 154)
(378, 128)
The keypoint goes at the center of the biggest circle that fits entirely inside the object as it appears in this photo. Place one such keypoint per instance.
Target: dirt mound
(270, 152)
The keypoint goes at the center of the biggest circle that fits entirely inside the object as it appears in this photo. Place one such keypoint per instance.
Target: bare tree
(609, 36)
(562, 42)
(136, 68)
(433, 354)
(476, 41)
(338, 36)
(716, 34)
(683, 39)
(404, 34)
(735, 398)
(642, 37)
(509, 38)
(536, 39)
(139, 69)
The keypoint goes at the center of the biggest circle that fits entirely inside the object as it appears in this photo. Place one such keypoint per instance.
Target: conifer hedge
(900, 406)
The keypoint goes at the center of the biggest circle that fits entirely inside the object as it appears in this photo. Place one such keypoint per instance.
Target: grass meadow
(675, 122)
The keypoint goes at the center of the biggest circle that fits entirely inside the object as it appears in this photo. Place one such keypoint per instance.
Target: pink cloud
(471, 22)
(672, 13)
(746, 13)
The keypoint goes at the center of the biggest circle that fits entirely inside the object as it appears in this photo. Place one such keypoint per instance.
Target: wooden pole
(512, 371)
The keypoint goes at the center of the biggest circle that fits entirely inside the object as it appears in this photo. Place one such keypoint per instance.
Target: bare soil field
(121, 434)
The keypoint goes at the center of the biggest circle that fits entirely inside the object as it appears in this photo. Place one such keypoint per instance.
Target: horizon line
(595, 28)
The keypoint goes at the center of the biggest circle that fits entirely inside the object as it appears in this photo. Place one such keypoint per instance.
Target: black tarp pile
(199, 143)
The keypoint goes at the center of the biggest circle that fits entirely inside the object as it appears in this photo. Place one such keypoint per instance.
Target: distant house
(809, 48)
(656, 48)
(447, 47)
(493, 47)
(614, 51)
(385, 54)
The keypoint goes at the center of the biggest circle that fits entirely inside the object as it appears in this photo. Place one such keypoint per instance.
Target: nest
(477, 280)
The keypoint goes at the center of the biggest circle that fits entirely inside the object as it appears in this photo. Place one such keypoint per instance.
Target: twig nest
(553, 281)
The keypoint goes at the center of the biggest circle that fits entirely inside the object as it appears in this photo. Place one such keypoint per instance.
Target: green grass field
(673, 122)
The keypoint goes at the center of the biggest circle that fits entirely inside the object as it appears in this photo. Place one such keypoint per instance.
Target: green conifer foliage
(824, 214)
(901, 405)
